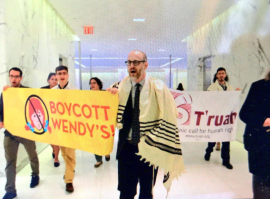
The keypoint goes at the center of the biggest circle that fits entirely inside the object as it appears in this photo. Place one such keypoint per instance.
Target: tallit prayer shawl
(160, 143)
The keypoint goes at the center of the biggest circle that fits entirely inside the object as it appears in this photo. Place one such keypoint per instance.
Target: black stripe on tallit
(168, 133)
(162, 147)
(164, 123)
(158, 121)
(162, 137)
(169, 130)
(148, 127)
(145, 128)
(121, 107)
(142, 123)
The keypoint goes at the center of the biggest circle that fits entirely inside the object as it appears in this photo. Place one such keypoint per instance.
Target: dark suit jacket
(46, 87)
(254, 111)
(127, 123)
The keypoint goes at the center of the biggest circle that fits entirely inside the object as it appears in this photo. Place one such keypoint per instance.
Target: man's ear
(146, 65)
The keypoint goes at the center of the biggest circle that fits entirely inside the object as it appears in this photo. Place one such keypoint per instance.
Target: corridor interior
(201, 180)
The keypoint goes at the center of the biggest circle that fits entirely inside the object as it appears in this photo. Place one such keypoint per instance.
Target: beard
(221, 79)
(15, 84)
(135, 75)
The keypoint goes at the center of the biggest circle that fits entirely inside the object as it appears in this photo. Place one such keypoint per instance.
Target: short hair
(221, 69)
(58, 68)
(99, 82)
(144, 55)
(16, 69)
(50, 75)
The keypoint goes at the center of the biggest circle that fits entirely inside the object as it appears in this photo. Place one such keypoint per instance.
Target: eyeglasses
(135, 62)
(16, 76)
(64, 73)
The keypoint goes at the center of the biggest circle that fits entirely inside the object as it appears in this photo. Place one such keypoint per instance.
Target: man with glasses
(11, 145)
(141, 113)
(67, 153)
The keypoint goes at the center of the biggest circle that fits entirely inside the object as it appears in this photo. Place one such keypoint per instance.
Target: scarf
(160, 143)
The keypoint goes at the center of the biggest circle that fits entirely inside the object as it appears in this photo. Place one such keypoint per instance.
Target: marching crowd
(148, 136)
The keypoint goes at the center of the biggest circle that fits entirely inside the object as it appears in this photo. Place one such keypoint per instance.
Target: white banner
(207, 116)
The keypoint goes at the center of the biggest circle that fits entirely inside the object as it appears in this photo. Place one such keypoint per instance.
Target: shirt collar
(64, 86)
(225, 84)
(141, 82)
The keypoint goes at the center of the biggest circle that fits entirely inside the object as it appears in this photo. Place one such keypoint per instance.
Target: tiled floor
(202, 180)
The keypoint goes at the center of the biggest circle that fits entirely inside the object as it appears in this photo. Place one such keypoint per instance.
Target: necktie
(136, 114)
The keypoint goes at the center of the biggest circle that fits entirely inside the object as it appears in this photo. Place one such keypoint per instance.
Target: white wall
(35, 35)
(239, 41)
(32, 35)
(2, 79)
(2, 45)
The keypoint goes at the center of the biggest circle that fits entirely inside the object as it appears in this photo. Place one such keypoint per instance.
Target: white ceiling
(167, 23)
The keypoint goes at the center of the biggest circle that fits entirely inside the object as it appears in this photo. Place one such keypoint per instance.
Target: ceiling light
(176, 60)
(132, 39)
(139, 20)
(161, 50)
(78, 63)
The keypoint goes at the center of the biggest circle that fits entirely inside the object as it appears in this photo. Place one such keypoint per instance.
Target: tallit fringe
(119, 126)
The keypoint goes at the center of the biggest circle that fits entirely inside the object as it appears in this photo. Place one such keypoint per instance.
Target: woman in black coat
(255, 112)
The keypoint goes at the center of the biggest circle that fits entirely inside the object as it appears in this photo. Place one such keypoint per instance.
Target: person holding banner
(255, 113)
(220, 83)
(11, 144)
(148, 136)
(52, 80)
(67, 153)
(96, 85)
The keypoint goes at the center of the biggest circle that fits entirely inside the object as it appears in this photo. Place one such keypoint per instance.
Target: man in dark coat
(255, 113)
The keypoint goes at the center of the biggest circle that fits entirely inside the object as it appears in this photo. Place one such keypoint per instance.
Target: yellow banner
(77, 119)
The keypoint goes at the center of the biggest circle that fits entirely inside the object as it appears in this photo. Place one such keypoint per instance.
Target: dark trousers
(131, 171)
(98, 158)
(11, 145)
(225, 150)
(261, 187)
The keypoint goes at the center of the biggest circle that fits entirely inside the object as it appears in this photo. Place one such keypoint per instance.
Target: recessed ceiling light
(93, 49)
(132, 39)
(139, 20)
(161, 50)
